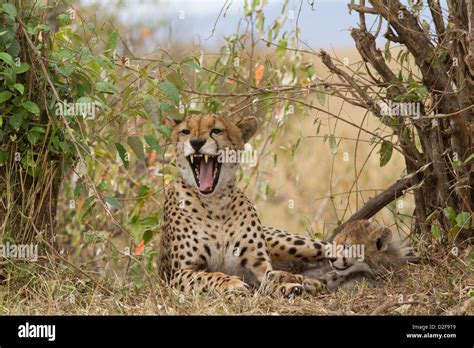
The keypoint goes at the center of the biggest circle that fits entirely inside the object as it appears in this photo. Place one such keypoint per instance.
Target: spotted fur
(214, 241)
(382, 253)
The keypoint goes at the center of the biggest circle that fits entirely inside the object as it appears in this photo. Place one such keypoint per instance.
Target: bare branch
(409, 148)
(375, 204)
(362, 9)
(437, 15)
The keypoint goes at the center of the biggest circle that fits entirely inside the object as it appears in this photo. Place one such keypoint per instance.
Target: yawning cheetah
(212, 239)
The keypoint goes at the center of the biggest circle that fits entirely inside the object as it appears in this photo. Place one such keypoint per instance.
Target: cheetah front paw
(289, 290)
(313, 286)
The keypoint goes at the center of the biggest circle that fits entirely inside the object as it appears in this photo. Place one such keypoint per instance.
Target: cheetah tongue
(205, 175)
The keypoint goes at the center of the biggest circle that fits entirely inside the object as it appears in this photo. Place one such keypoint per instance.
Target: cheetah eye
(185, 131)
(216, 131)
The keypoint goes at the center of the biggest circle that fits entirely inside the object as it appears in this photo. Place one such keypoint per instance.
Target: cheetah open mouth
(206, 170)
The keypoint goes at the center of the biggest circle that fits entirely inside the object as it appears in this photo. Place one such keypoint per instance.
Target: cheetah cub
(382, 253)
(212, 239)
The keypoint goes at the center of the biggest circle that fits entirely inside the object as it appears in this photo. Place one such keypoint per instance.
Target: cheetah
(212, 239)
(382, 253)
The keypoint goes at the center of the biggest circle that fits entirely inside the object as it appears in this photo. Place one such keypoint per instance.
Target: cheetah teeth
(192, 158)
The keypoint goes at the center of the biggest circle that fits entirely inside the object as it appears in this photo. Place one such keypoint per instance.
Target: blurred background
(177, 58)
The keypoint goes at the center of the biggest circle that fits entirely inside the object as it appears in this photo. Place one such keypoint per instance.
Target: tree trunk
(445, 128)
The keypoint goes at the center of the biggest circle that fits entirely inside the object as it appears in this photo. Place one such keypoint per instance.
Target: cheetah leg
(296, 253)
(275, 283)
(284, 246)
(190, 281)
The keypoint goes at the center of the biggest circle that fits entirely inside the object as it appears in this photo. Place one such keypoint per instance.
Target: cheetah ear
(248, 126)
(171, 121)
(383, 240)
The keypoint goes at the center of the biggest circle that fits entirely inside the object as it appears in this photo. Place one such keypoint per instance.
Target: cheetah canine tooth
(192, 158)
(206, 158)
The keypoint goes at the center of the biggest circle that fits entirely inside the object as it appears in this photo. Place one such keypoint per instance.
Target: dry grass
(440, 285)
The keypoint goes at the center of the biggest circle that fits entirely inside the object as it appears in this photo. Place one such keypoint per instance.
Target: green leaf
(136, 144)
(463, 220)
(170, 90)
(29, 159)
(153, 143)
(192, 62)
(86, 208)
(469, 159)
(386, 151)
(78, 190)
(165, 107)
(38, 129)
(142, 192)
(333, 144)
(3, 157)
(31, 107)
(282, 46)
(436, 232)
(123, 154)
(321, 94)
(102, 186)
(63, 19)
(150, 221)
(14, 49)
(66, 70)
(165, 130)
(4, 96)
(23, 67)
(152, 109)
(113, 202)
(33, 137)
(294, 147)
(19, 87)
(422, 92)
(176, 79)
(106, 87)
(450, 214)
(7, 58)
(113, 39)
(147, 235)
(433, 215)
(16, 121)
(10, 9)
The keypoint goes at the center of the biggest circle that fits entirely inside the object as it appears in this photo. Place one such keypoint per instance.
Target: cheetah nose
(197, 143)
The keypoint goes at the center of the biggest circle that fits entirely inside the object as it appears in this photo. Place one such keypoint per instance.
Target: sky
(192, 20)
